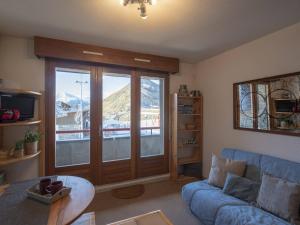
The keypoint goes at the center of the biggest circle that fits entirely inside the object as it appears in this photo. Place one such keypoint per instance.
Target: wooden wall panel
(150, 166)
(52, 48)
(116, 171)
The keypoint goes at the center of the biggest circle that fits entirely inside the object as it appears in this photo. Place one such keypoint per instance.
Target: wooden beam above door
(53, 48)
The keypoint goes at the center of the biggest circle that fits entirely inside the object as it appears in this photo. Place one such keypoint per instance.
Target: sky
(66, 83)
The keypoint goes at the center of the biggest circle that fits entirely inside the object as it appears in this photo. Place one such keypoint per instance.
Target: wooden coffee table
(156, 217)
(68, 209)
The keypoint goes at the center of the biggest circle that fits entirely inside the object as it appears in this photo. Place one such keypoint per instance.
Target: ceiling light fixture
(142, 5)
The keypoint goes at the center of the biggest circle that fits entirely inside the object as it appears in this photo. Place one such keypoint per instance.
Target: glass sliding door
(116, 117)
(105, 124)
(72, 117)
(152, 116)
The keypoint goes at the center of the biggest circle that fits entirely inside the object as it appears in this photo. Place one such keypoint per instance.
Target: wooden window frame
(97, 170)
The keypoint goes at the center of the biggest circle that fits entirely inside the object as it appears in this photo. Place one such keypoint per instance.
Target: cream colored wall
(275, 54)
(186, 75)
(23, 69)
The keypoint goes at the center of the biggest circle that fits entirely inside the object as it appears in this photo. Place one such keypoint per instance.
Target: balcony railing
(105, 129)
(75, 150)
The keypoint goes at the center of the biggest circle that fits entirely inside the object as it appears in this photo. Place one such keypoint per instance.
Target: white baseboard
(153, 179)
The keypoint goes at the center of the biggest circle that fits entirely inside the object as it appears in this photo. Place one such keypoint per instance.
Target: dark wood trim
(269, 131)
(95, 125)
(135, 123)
(254, 105)
(66, 50)
(167, 123)
(49, 115)
(268, 79)
(236, 107)
(98, 164)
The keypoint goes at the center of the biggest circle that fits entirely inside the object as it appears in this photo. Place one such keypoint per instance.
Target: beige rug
(163, 196)
(129, 192)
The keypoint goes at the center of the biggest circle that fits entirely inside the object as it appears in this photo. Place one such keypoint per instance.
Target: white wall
(187, 74)
(275, 54)
(23, 69)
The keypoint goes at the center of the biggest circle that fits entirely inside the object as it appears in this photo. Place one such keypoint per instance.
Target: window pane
(152, 120)
(246, 109)
(262, 106)
(116, 117)
(72, 113)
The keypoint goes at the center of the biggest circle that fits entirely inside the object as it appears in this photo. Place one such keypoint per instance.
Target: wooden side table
(68, 209)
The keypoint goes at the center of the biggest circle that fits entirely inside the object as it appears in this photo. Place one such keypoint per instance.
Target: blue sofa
(212, 207)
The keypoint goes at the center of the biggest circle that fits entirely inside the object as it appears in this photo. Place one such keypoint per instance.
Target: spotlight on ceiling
(142, 5)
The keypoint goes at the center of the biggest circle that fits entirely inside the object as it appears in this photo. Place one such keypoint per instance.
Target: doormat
(129, 192)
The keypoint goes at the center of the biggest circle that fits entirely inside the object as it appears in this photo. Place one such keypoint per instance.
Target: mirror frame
(236, 106)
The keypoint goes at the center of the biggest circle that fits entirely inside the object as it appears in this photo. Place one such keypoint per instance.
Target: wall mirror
(270, 104)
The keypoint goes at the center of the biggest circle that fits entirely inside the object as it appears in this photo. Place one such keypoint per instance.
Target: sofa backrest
(257, 164)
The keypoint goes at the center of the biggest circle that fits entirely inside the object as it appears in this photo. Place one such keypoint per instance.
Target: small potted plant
(19, 149)
(31, 140)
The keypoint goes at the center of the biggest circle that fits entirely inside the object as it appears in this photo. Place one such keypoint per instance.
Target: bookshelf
(186, 134)
(18, 126)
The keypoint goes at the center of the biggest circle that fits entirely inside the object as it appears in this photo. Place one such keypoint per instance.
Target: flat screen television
(23, 103)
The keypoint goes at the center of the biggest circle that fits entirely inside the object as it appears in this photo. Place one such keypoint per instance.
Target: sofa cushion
(221, 166)
(257, 164)
(279, 197)
(253, 171)
(246, 215)
(241, 187)
(190, 189)
(206, 203)
(281, 168)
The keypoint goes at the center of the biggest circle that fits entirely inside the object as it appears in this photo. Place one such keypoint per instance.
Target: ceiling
(191, 30)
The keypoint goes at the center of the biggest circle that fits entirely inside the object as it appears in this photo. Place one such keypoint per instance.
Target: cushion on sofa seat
(280, 197)
(241, 187)
(205, 204)
(221, 166)
(190, 189)
(246, 215)
(253, 171)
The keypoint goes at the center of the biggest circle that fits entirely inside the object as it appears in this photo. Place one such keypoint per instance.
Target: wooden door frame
(125, 169)
(159, 162)
(95, 170)
(87, 170)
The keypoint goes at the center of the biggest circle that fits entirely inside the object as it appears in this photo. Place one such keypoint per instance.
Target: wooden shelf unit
(186, 111)
(38, 121)
(11, 160)
(21, 123)
(20, 91)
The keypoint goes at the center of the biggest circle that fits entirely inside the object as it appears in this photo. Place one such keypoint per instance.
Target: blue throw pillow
(241, 187)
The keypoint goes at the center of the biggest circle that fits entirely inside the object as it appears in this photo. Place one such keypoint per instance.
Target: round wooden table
(68, 209)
